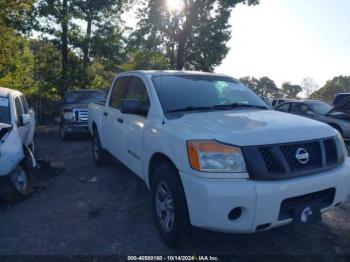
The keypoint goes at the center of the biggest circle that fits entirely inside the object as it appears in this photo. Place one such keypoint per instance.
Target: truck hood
(75, 106)
(249, 127)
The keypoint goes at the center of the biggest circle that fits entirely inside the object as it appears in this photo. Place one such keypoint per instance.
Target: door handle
(120, 120)
(105, 113)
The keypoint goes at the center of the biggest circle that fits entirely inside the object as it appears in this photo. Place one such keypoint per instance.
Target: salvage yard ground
(76, 213)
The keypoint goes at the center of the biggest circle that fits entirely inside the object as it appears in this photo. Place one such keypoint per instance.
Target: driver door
(134, 124)
(112, 124)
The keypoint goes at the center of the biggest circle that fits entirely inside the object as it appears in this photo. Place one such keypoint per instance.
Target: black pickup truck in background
(74, 110)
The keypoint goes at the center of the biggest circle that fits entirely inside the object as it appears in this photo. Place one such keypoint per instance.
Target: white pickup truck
(215, 156)
(17, 128)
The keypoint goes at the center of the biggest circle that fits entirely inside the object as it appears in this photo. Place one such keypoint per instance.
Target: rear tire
(98, 153)
(169, 205)
(17, 185)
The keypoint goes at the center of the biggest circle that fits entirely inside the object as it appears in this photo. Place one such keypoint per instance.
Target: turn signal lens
(212, 156)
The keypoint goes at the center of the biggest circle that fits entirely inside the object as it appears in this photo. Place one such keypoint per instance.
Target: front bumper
(210, 200)
(75, 127)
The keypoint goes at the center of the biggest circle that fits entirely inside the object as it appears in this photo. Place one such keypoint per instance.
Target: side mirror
(25, 119)
(130, 106)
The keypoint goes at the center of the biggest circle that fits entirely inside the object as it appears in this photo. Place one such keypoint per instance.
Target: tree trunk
(191, 15)
(181, 48)
(86, 49)
(64, 46)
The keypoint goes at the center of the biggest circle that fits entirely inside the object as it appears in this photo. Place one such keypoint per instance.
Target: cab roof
(6, 92)
(172, 72)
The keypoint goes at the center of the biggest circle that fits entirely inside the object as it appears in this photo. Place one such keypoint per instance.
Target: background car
(338, 117)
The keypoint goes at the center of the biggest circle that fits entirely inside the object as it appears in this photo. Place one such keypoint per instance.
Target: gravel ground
(72, 216)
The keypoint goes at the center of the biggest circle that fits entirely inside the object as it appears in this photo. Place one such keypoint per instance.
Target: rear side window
(138, 90)
(24, 104)
(119, 92)
(300, 108)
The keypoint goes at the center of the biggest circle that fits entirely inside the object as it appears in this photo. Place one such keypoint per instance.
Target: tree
(104, 15)
(339, 84)
(55, 16)
(16, 59)
(309, 86)
(263, 87)
(251, 82)
(268, 88)
(193, 16)
(290, 91)
(197, 33)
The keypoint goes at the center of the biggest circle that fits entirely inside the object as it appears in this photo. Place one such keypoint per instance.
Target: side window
(19, 110)
(138, 90)
(119, 92)
(284, 107)
(299, 108)
(24, 104)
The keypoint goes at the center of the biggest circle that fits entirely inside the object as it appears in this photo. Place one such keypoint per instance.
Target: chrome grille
(81, 115)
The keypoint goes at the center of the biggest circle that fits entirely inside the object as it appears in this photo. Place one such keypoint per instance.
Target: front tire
(169, 204)
(17, 185)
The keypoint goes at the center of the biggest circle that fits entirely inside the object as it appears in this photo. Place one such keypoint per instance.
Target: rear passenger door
(133, 124)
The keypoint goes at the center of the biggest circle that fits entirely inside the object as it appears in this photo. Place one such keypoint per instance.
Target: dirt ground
(72, 216)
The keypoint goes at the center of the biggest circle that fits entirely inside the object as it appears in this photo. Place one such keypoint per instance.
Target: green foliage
(290, 91)
(19, 72)
(339, 84)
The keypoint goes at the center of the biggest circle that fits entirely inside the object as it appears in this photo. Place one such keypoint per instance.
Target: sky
(289, 40)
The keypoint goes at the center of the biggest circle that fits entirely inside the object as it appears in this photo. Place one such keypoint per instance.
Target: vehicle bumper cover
(210, 200)
(76, 127)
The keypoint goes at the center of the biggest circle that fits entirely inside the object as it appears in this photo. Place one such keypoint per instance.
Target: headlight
(68, 115)
(211, 156)
(342, 145)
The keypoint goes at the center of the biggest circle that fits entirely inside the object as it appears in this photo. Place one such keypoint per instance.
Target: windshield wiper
(234, 105)
(192, 108)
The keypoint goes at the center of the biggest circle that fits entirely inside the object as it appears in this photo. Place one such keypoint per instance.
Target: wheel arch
(157, 159)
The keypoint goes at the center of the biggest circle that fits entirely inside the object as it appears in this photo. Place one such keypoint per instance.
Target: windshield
(5, 116)
(196, 91)
(321, 107)
(84, 97)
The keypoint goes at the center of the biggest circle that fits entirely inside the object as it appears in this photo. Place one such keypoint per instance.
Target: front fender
(11, 152)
